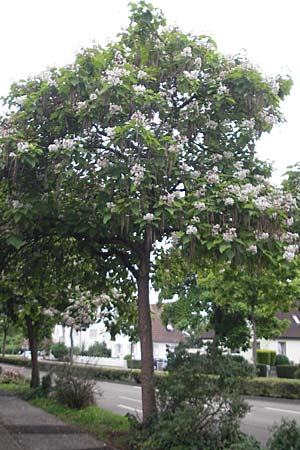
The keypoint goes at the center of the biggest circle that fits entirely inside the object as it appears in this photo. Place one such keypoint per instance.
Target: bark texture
(33, 345)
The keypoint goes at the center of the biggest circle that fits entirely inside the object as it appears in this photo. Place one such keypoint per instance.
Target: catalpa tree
(149, 138)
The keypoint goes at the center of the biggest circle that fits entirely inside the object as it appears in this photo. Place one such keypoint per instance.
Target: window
(281, 348)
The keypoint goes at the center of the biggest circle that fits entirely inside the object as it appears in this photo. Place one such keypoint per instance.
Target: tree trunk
(145, 335)
(72, 346)
(33, 345)
(5, 331)
(254, 338)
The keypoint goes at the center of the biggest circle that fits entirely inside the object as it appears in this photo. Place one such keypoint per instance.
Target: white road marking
(130, 409)
(290, 411)
(130, 399)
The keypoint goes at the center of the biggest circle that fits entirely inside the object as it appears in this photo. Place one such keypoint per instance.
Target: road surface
(265, 412)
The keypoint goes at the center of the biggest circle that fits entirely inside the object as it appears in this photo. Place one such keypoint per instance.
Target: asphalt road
(123, 399)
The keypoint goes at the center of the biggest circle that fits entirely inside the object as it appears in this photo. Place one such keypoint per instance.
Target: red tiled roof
(159, 331)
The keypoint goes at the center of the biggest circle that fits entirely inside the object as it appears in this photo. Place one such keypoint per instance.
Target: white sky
(35, 34)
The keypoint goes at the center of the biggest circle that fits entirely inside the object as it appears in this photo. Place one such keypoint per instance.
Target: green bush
(128, 357)
(261, 370)
(271, 387)
(281, 359)
(195, 409)
(286, 436)
(71, 390)
(286, 371)
(134, 364)
(263, 357)
(99, 349)
(272, 357)
(59, 351)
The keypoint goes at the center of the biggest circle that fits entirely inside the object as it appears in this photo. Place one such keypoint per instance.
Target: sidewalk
(26, 427)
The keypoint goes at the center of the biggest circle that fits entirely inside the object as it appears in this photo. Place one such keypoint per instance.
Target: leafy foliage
(286, 436)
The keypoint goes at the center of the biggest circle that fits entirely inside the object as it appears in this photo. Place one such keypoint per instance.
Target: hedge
(261, 370)
(266, 357)
(134, 364)
(286, 371)
(260, 387)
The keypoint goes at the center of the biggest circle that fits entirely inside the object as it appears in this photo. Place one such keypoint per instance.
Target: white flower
(252, 249)
(148, 217)
(93, 96)
(192, 75)
(81, 105)
(110, 205)
(68, 144)
(23, 146)
(215, 229)
(200, 206)
(213, 177)
(187, 51)
(229, 235)
(110, 131)
(223, 89)
(261, 236)
(248, 123)
(141, 74)
(16, 204)
(114, 109)
(227, 155)
(139, 89)
(289, 221)
(228, 201)
(191, 229)
(262, 203)
(241, 174)
(12, 155)
(290, 252)
(139, 117)
(195, 219)
(137, 172)
(211, 124)
(53, 147)
(198, 62)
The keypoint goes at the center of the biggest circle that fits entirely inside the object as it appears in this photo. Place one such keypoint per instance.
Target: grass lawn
(107, 426)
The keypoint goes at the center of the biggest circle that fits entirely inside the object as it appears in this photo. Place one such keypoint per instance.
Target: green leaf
(106, 218)
(15, 241)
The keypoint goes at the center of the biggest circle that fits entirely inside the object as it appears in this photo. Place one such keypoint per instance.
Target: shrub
(261, 370)
(12, 376)
(286, 436)
(99, 349)
(128, 357)
(281, 359)
(272, 357)
(271, 387)
(263, 357)
(134, 364)
(195, 410)
(72, 391)
(59, 350)
(286, 371)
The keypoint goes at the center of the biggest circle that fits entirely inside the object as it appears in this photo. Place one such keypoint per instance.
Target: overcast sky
(36, 34)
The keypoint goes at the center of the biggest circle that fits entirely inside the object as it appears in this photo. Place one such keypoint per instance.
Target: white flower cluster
(67, 144)
(186, 52)
(114, 76)
(170, 197)
(191, 229)
(21, 100)
(192, 75)
(81, 105)
(110, 131)
(222, 89)
(211, 124)
(110, 205)
(50, 312)
(241, 174)
(213, 176)
(269, 118)
(16, 204)
(139, 89)
(102, 162)
(249, 123)
(138, 117)
(290, 252)
(114, 109)
(252, 249)
(149, 217)
(137, 171)
(23, 147)
(141, 75)
(229, 201)
(229, 235)
(200, 206)
(289, 237)
(216, 230)
(262, 203)
(261, 235)
(289, 221)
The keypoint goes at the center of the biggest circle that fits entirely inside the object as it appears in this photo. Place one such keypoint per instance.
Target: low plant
(195, 409)
(281, 359)
(59, 350)
(12, 376)
(71, 390)
(286, 371)
(263, 357)
(286, 436)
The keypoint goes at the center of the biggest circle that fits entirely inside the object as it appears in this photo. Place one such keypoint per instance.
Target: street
(123, 398)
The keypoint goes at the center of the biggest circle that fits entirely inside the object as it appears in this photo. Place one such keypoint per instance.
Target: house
(164, 337)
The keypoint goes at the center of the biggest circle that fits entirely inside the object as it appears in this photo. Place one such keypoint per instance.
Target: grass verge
(107, 426)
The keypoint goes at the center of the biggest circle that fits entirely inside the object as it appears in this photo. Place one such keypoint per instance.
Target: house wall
(292, 348)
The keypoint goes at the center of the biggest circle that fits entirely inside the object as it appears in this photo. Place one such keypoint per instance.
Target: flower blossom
(228, 201)
(141, 74)
(110, 205)
(211, 124)
(213, 176)
(192, 75)
(200, 206)
(110, 131)
(93, 96)
(148, 217)
(290, 252)
(187, 51)
(261, 235)
(137, 171)
(23, 147)
(114, 109)
(139, 117)
(229, 235)
(191, 229)
(252, 249)
(139, 89)
(198, 62)
(215, 230)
